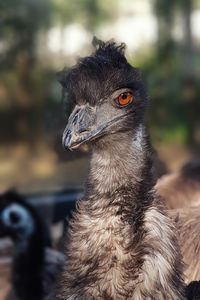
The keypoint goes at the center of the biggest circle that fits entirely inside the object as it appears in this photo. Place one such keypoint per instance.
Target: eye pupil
(124, 96)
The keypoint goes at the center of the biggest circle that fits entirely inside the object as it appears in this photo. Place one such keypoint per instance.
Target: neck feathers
(126, 242)
(123, 161)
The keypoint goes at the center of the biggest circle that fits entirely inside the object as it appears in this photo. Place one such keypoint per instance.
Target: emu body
(181, 188)
(121, 244)
(188, 225)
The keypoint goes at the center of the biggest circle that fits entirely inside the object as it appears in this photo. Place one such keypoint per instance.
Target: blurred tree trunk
(190, 97)
(21, 20)
(164, 12)
(23, 94)
(188, 49)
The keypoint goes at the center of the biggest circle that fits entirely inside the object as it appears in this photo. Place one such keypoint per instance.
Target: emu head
(16, 218)
(105, 93)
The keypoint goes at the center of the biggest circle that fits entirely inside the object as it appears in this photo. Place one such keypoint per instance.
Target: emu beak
(87, 123)
(81, 127)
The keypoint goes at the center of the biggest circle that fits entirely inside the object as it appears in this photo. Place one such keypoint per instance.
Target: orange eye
(124, 98)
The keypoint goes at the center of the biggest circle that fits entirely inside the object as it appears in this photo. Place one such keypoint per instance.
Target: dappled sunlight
(42, 171)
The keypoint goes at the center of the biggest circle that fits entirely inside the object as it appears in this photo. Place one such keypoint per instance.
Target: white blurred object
(70, 39)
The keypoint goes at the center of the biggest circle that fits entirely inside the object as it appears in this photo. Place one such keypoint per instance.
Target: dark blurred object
(191, 112)
(56, 206)
(34, 269)
(159, 167)
(193, 290)
(181, 188)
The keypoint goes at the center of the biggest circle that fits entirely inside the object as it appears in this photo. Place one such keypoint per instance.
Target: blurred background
(40, 37)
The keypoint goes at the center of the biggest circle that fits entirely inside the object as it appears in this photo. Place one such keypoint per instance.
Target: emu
(188, 225)
(180, 192)
(35, 267)
(181, 188)
(121, 243)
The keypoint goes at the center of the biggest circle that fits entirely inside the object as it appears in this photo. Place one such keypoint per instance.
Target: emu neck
(119, 231)
(122, 161)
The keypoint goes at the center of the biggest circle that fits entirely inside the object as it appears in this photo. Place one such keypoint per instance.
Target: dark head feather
(109, 49)
(95, 77)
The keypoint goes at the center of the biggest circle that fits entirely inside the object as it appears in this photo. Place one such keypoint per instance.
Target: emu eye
(124, 99)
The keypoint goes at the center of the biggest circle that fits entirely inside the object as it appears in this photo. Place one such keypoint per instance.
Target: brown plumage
(188, 225)
(181, 188)
(181, 192)
(121, 243)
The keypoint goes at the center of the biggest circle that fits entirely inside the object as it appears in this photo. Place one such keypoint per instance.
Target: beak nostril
(79, 127)
(66, 137)
(75, 119)
(82, 129)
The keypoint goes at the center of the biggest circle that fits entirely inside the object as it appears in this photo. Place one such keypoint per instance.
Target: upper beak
(80, 127)
(83, 126)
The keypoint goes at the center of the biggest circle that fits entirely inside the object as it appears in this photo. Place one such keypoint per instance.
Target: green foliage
(172, 114)
(20, 22)
(90, 13)
(174, 99)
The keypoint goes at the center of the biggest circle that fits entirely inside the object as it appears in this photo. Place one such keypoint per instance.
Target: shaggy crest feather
(110, 49)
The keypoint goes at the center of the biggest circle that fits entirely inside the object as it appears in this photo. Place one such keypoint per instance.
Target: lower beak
(71, 141)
